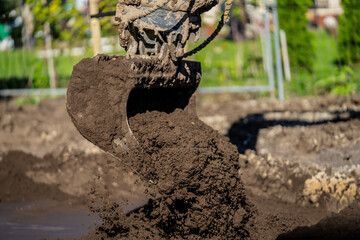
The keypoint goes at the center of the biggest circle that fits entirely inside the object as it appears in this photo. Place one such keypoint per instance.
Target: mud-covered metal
(159, 28)
(105, 91)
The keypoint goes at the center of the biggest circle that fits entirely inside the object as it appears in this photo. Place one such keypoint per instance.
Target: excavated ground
(299, 163)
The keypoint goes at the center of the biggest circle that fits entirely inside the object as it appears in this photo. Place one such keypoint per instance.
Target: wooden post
(48, 51)
(95, 27)
(49, 55)
(285, 55)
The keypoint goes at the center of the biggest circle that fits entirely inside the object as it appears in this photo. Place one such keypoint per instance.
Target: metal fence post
(269, 61)
(279, 70)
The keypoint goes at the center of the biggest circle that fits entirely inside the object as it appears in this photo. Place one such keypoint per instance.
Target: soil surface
(303, 151)
(298, 161)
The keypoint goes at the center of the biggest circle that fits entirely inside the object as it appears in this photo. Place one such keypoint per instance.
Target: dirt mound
(63, 177)
(345, 226)
(194, 170)
(15, 185)
(39, 129)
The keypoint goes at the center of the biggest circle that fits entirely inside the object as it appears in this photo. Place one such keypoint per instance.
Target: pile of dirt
(344, 225)
(195, 172)
(65, 177)
(16, 186)
(40, 129)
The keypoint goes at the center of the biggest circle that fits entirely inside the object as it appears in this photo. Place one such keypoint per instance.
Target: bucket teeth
(164, 52)
(132, 50)
(197, 36)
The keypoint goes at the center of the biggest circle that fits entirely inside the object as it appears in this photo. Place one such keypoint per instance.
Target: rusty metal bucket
(105, 91)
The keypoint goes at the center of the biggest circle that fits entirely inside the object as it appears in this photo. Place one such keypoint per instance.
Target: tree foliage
(293, 21)
(67, 23)
(6, 6)
(9, 12)
(349, 32)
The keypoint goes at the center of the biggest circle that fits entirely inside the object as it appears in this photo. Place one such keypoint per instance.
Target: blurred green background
(324, 57)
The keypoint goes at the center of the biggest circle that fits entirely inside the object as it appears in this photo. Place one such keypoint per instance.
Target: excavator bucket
(105, 91)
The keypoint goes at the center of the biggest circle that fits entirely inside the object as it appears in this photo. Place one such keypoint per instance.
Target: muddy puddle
(44, 219)
(48, 219)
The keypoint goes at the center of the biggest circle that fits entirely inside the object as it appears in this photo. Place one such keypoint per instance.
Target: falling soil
(190, 171)
(195, 172)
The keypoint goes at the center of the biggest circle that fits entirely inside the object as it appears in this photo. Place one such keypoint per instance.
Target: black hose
(104, 14)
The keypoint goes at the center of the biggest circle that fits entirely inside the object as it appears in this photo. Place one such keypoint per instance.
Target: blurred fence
(227, 66)
(27, 68)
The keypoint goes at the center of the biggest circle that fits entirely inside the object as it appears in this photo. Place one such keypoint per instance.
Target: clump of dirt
(194, 170)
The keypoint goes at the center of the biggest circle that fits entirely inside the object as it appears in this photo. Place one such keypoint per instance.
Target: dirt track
(300, 160)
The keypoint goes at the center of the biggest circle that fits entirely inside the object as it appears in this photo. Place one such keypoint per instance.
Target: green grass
(329, 76)
(326, 54)
(15, 66)
(225, 63)
(30, 100)
(22, 68)
(19, 68)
